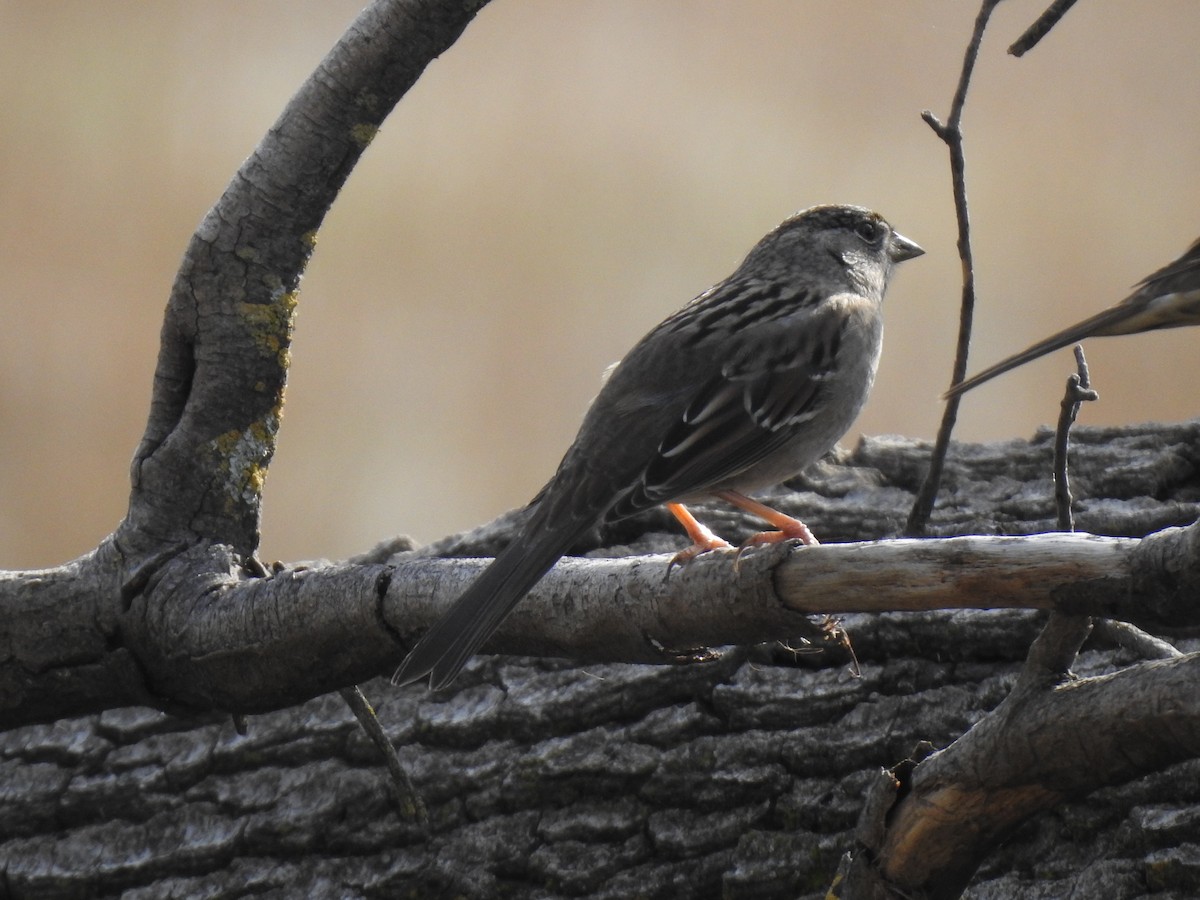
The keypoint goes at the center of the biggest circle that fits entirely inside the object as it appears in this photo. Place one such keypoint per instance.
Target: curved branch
(1059, 740)
(199, 471)
(106, 627)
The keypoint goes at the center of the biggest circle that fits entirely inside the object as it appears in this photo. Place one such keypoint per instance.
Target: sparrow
(1168, 298)
(738, 390)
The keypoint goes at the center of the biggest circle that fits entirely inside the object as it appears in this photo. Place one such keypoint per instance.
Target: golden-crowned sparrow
(740, 389)
(1168, 298)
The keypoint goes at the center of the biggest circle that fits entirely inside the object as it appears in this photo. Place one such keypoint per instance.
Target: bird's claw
(686, 555)
(801, 534)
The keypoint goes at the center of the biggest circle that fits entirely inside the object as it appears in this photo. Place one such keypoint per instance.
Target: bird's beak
(901, 248)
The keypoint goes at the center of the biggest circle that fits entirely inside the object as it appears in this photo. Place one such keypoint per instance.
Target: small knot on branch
(936, 124)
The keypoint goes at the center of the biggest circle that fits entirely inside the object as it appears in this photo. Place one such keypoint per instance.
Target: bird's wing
(752, 406)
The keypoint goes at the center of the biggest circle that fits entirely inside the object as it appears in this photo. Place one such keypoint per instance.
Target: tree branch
(252, 645)
(199, 470)
(1037, 749)
(115, 624)
(952, 135)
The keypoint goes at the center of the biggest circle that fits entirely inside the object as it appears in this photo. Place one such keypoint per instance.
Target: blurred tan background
(561, 179)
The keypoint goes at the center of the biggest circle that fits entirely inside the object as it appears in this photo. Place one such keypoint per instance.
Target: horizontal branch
(625, 609)
(207, 635)
(1031, 572)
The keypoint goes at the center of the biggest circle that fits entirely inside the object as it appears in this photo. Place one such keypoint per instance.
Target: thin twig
(1056, 647)
(1039, 29)
(1122, 634)
(1078, 390)
(951, 134)
(407, 799)
(1135, 640)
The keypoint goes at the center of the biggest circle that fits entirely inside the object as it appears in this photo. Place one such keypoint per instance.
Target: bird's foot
(798, 531)
(702, 537)
(787, 527)
(801, 534)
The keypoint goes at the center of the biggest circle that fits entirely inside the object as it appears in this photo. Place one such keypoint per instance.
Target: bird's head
(835, 242)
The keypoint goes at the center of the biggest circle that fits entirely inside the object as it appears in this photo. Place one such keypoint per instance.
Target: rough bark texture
(743, 777)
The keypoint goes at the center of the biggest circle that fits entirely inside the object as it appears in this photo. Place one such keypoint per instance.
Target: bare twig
(1056, 647)
(1039, 29)
(1078, 390)
(408, 801)
(1122, 633)
(951, 134)
(1135, 640)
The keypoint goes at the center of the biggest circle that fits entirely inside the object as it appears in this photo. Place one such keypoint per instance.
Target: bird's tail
(447, 646)
(1113, 320)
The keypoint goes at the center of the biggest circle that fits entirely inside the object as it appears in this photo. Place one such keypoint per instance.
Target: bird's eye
(868, 231)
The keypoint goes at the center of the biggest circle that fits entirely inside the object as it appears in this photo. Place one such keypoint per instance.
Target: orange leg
(789, 528)
(703, 539)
